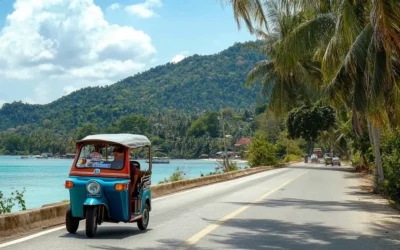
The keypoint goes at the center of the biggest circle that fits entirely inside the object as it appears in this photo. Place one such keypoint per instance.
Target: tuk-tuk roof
(127, 140)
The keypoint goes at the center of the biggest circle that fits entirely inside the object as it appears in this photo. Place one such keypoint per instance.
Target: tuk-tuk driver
(118, 162)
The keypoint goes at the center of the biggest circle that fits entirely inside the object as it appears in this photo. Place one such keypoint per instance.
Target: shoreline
(217, 160)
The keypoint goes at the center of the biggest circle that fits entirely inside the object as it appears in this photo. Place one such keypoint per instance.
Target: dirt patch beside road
(387, 222)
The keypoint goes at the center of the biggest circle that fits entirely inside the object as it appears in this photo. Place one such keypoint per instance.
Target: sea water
(44, 179)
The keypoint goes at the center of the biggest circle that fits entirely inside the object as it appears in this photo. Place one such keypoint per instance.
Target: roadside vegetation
(178, 175)
(342, 54)
(8, 203)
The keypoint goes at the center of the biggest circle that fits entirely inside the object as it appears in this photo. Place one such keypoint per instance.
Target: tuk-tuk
(105, 185)
(328, 160)
(336, 161)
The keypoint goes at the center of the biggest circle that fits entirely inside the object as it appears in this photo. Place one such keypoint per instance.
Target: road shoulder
(387, 221)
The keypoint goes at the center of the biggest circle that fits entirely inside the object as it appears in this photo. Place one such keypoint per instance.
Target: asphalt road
(306, 206)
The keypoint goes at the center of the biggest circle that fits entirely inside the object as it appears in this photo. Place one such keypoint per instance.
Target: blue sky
(50, 48)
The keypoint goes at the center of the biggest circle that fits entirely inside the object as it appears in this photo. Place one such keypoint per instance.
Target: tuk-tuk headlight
(93, 187)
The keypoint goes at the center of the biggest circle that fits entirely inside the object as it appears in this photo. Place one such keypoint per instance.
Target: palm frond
(259, 71)
(348, 86)
(385, 19)
(248, 11)
(348, 25)
(308, 35)
(268, 83)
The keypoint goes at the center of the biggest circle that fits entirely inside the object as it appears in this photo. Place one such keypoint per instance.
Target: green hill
(195, 84)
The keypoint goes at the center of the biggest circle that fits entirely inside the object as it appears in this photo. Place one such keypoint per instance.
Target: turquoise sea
(44, 178)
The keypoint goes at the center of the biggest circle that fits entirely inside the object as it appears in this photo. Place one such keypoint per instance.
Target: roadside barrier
(54, 214)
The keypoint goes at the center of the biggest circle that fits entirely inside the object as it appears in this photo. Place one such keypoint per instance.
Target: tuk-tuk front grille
(93, 195)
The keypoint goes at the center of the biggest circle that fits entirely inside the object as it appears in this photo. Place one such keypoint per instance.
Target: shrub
(291, 157)
(391, 167)
(230, 166)
(6, 204)
(177, 175)
(261, 152)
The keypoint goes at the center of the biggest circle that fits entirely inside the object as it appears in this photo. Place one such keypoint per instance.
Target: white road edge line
(30, 237)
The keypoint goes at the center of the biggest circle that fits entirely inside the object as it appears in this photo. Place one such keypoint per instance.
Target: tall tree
(289, 81)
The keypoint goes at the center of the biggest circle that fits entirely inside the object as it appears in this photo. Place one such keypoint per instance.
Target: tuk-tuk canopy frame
(127, 140)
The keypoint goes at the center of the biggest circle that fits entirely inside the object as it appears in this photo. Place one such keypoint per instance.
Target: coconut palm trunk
(375, 138)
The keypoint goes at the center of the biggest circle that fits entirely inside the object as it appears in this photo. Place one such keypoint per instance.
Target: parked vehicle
(314, 158)
(335, 161)
(318, 152)
(105, 190)
(328, 160)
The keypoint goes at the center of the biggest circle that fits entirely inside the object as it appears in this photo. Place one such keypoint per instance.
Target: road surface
(306, 206)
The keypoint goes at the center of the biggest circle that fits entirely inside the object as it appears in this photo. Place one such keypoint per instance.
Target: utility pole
(225, 157)
(223, 134)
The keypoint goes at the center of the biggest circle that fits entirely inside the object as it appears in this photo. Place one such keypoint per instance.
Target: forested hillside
(195, 84)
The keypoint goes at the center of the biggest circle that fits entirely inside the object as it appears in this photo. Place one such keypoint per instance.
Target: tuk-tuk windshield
(97, 155)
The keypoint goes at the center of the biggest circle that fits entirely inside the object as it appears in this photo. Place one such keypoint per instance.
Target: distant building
(243, 142)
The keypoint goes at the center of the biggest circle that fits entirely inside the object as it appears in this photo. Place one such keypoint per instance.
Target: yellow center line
(195, 238)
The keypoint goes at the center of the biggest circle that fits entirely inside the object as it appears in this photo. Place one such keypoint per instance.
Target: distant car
(318, 152)
(327, 155)
(314, 158)
(335, 161)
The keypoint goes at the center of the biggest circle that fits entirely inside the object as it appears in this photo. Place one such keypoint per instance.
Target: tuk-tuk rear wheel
(71, 223)
(144, 221)
(91, 221)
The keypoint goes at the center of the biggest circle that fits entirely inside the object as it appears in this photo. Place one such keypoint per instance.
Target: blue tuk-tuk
(105, 185)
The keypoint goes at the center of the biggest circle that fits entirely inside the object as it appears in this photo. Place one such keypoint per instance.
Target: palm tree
(249, 11)
(287, 80)
(358, 45)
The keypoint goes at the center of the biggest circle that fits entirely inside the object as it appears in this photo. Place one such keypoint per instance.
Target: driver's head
(118, 150)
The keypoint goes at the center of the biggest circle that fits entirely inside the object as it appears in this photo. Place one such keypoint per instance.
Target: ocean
(44, 179)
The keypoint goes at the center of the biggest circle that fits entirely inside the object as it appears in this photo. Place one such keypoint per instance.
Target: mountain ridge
(198, 82)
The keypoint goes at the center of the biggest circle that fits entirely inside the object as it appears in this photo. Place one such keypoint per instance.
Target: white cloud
(114, 6)
(144, 10)
(42, 92)
(29, 100)
(56, 42)
(69, 89)
(177, 58)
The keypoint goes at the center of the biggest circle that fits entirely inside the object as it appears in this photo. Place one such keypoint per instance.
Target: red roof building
(243, 142)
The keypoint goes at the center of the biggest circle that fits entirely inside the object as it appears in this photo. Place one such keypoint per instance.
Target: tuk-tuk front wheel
(71, 222)
(144, 221)
(91, 221)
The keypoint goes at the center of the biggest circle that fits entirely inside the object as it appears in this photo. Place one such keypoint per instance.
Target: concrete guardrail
(54, 214)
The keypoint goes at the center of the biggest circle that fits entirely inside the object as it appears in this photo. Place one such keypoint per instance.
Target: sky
(50, 48)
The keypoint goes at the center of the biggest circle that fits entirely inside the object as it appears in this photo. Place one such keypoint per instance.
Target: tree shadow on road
(321, 167)
(324, 206)
(275, 234)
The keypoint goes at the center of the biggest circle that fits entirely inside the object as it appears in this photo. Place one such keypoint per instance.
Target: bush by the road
(390, 159)
(261, 152)
(178, 175)
(7, 203)
(291, 157)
